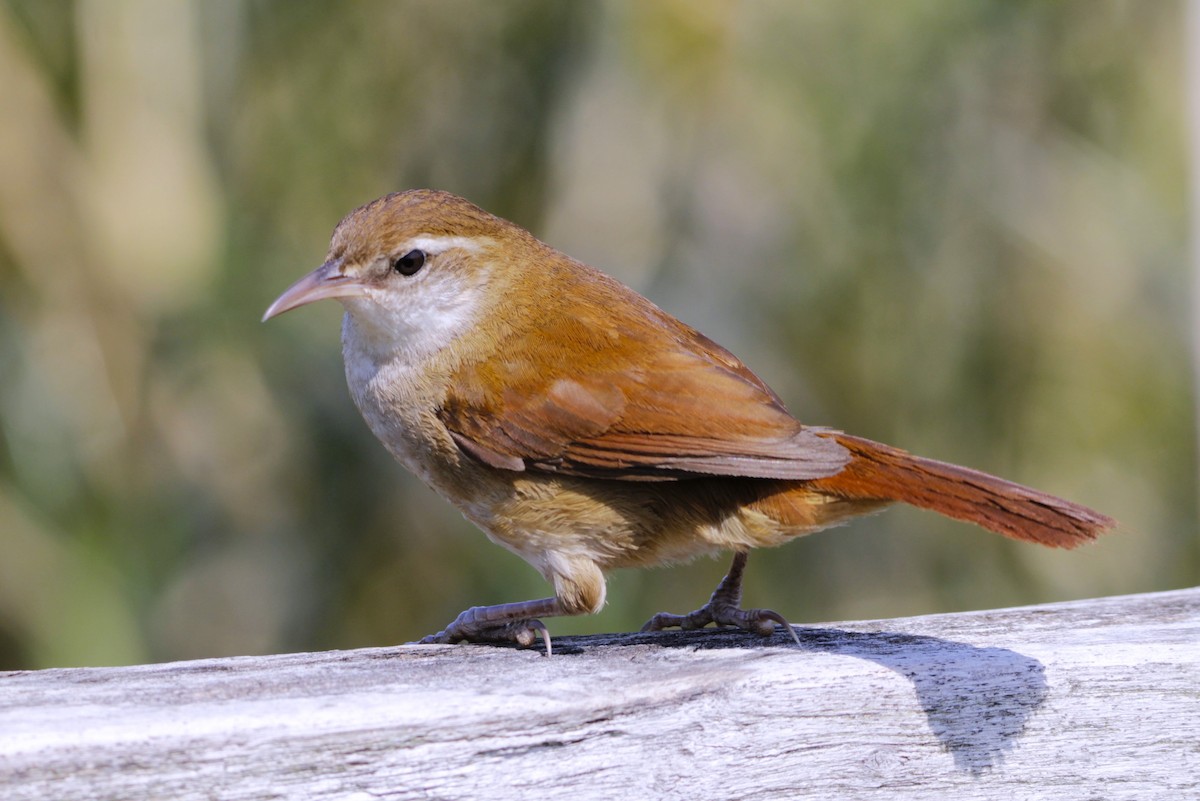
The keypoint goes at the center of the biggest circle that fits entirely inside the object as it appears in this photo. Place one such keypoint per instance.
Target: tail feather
(881, 472)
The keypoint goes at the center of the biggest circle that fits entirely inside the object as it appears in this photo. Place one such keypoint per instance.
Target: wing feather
(624, 391)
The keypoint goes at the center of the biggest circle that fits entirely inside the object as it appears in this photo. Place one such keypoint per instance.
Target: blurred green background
(960, 228)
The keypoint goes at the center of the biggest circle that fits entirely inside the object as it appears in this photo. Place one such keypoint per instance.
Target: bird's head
(412, 268)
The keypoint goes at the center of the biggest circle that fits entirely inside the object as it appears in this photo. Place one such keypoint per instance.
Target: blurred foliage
(956, 227)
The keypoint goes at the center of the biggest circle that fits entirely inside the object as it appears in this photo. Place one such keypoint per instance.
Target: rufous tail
(881, 472)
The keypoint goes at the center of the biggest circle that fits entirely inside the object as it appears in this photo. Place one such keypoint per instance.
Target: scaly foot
(724, 609)
(504, 623)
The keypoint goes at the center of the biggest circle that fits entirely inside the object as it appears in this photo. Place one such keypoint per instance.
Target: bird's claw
(466, 628)
(758, 621)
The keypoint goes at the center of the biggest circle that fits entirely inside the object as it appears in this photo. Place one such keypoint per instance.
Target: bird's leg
(724, 609)
(504, 623)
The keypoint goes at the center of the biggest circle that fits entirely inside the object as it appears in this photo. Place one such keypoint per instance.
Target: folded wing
(639, 398)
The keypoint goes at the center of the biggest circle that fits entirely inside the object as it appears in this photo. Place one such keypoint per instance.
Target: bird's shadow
(978, 701)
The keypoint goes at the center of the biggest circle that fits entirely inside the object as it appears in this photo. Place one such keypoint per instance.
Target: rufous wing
(635, 399)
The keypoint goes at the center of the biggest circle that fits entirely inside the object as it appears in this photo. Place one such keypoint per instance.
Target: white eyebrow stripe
(440, 244)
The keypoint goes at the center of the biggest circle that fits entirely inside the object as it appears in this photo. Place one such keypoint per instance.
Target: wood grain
(1087, 700)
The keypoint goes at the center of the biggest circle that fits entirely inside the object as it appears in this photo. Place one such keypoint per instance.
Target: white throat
(410, 326)
(409, 320)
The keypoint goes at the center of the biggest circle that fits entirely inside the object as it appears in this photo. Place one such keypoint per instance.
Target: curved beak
(327, 281)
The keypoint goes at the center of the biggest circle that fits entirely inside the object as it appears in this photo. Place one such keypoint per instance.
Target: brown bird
(585, 429)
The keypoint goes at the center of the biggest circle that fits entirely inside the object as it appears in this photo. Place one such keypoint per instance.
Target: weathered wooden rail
(1088, 700)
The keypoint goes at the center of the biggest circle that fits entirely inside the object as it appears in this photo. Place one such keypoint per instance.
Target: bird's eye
(410, 262)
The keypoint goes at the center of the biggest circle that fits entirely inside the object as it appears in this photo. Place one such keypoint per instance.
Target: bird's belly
(618, 523)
